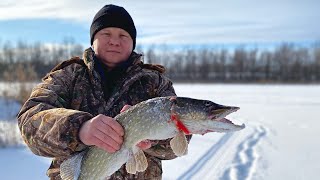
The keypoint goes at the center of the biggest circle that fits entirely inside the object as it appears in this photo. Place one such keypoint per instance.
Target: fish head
(202, 116)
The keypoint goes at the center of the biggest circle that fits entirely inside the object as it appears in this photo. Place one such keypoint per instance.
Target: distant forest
(286, 63)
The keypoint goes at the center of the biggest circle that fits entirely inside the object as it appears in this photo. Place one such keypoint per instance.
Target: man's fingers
(125, 107)
(112, 133)
(146, 144)
(106, 139)
(102, 131)
(104, 146)
(114, 125)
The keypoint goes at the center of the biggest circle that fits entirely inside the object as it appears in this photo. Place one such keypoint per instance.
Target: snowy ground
(8, 108)
(279, 141)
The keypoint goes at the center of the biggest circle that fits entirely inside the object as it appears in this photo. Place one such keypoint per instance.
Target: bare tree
(264, 66)
(151, 56)
(205, 66)
(316, 66)
(238, 66)
(8, 52)
(190, 66)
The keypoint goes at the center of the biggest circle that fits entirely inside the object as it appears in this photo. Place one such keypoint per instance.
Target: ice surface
(280, 140)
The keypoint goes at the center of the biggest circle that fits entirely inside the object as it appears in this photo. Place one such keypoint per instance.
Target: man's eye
(123, 36)
(106, 34)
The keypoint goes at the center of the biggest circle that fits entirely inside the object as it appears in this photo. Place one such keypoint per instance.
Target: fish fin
(141, 161)
(179, 144)
(131, 164)
(185, 152)
(70, 168)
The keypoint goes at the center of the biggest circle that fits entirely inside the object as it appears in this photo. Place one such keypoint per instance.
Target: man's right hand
(103, 132)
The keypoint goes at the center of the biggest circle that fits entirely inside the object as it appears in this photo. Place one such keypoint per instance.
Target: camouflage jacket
(71, 94)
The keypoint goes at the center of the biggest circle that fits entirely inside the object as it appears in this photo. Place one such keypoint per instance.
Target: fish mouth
(221, 113)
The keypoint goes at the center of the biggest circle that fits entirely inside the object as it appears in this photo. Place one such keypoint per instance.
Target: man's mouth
(113, 51)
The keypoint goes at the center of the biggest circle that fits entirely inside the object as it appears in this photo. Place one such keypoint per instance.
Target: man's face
(112, 45)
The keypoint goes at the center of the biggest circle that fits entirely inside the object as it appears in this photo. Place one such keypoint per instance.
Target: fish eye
(175, 101)
(207, 103)
(178, 103)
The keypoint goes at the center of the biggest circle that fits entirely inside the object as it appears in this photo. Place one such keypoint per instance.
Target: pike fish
(154, 119)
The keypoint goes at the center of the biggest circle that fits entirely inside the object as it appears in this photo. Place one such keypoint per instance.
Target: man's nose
(114, 41)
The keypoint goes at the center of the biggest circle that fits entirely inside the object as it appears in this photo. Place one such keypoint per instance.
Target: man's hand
(103, 132)
(146, 144)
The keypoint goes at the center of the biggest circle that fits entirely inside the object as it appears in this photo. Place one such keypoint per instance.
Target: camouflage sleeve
(165, 87)
(161, 149)
(47, 126)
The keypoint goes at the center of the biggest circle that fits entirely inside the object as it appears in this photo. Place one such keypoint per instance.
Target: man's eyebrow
(124, 32)
(105, 30)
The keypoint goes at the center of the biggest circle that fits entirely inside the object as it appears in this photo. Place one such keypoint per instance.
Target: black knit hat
(113, 16)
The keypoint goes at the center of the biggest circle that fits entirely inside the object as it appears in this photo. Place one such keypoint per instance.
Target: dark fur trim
(156, 67)
(66, 63)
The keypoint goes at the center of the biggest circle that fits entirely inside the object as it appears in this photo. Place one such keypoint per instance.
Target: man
(74, 105)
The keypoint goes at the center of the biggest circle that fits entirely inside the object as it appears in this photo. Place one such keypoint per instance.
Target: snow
(9, 107)
(20, 163)
(280, 140)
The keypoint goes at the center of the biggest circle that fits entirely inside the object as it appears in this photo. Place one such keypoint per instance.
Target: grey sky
(201, 21)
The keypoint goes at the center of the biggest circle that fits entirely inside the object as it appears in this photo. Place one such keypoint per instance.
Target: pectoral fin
(131, 164)
(141, 161)
(179, 144)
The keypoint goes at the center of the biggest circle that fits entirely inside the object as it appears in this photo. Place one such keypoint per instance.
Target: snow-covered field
(279, 142)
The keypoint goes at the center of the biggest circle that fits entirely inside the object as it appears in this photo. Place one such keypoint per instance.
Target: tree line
(286, 63)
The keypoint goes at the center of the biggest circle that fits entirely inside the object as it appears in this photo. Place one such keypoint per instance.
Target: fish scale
(150, 120)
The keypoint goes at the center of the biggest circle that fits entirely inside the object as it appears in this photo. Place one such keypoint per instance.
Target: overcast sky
(167, 21)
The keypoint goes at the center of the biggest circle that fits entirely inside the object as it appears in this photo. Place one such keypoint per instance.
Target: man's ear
(94, 43)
